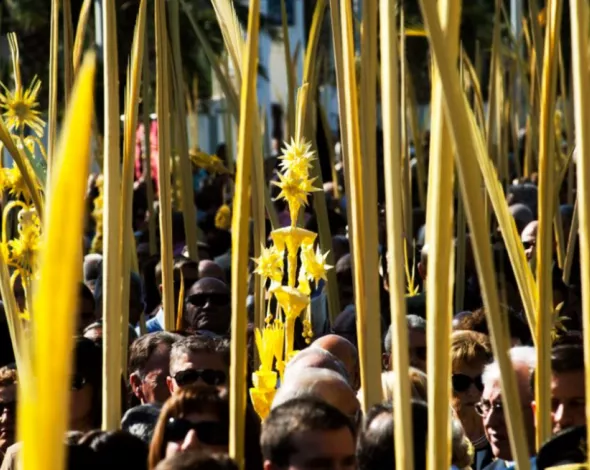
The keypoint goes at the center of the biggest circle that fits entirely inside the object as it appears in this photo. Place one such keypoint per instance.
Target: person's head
(8, 385)
(416, 343)
(318, 358)
(86, 308)
(195, 460)
(86, 386)
(523, 359)
(321, 384)
(568, 397)
(208, 268)
(185, 272)
(346, 352)
(522, 215)
(476, 321)
(306, 433)
(194, 418)
(345, 283)
(198, 359)
(141, 420)
(92, 269)
(207, 307)
(423, 263)
(470, 353)
(136, 303)
(149, 362)
(526, 194)
(418, 382)
(528, 238)
(117, 450)
(375, 449)
(341, 246)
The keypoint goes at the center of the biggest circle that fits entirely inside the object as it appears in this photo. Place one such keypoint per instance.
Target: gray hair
(326, 360)
(414, 322)
(197, 345)
(305, 385)
(519, 355)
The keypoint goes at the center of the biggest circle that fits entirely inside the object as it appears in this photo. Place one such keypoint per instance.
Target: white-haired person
(490, 408)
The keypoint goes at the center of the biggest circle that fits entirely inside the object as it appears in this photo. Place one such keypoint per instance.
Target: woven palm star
(314, 263)
(270, 264)
(19, 105)
(294, 190)
(297, 158)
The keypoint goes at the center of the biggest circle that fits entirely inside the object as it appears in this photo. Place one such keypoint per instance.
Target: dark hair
(178, 263)
(140, 421)
(375, 450)
(191, 399)
(197, 461)
(118, 450)
(567, 358)
(143, 348)
(564, 358)
(199, 344)
(88, 365)
(476, 321)
(300, 414)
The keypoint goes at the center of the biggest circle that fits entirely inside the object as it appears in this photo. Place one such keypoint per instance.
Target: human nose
(191, 441)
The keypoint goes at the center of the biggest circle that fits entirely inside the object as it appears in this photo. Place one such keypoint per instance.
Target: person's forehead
(209, 286)
(7, 393)
(417, 337)
(568, 382)
(196, 360)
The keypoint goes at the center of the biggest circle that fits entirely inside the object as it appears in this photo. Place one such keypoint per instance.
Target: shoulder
(11, 457)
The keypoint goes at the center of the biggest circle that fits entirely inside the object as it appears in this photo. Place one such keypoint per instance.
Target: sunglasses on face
(209, 376)
(78, 382)
(529, 244)
(462, 382)
(217, 300)
(211, 433)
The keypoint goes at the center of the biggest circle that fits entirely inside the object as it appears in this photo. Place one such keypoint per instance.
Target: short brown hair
(8, 376)
(469, 348)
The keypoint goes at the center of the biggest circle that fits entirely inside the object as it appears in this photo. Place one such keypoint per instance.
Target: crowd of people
(175, 398)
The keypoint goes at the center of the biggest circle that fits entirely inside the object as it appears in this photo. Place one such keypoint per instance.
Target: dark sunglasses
(462, 382)
(217, 300)
(78, 382)
(529, 244)
(209, 376)
(211, 433)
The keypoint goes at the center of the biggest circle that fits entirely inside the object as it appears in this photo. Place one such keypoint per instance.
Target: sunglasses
(78, 382)
(211, 433)
(462, 382)
(217, 300)
(209, 376)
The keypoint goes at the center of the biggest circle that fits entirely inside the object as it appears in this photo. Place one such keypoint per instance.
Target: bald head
(208, 268)
(322, 384)
(315, 358)
(345, 351)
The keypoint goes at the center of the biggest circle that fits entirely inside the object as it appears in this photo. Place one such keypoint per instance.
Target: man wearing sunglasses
(198, 359)
(207, 307)
(523, 359)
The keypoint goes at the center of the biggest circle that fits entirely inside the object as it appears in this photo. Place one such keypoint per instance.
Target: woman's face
(197, 431)
(467, 386)
(467, 390)
(80, 405)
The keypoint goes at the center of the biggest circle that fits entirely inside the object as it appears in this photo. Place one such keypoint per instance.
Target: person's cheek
(172, 448)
